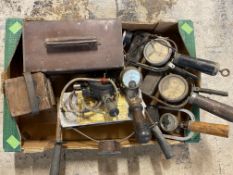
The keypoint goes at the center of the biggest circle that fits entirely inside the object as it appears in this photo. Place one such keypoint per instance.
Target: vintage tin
(107, 54)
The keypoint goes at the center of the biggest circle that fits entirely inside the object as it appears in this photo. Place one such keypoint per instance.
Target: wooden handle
(209, 128)
(142, 129)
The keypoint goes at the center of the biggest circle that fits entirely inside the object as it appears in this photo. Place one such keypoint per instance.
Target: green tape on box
(187, 28)
(186, 31)
(13, 142)
(16, 27)
(11, 136)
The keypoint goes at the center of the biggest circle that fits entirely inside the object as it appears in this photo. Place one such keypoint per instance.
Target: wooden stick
(209, 128)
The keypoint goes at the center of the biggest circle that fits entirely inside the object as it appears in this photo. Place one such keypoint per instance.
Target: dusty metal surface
(108, 55)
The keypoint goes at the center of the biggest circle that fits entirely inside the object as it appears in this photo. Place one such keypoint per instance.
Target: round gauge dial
(157, 52)
(168, 122)
(131, 77)
(173, 88)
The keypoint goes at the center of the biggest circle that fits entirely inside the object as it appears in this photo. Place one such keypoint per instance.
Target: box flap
(131, 26)
(163, 27)
(11, 136)
(186, 31)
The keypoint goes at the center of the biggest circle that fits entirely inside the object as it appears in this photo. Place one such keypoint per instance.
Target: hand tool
(159, 52)
(153, 116)
(207, 128)
(166, 126)
(175, 89)
(57, 150)
(131, 79)
(169, 123)
(210, 91)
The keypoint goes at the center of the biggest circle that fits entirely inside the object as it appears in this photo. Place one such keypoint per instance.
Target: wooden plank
(43, 145)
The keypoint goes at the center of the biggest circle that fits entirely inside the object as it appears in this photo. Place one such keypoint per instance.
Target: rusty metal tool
(57, 150)
(210, 91)
(131, 79)
(141, 127)
(169, 123)
(219, 109)
(153, 116)
(159, 52)
(175, 89)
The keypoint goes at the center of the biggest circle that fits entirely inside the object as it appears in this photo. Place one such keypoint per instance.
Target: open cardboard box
(37, 133)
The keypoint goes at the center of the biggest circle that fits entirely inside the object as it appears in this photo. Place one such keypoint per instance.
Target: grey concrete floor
(213, 20)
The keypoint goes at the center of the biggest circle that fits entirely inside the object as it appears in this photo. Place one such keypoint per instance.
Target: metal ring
(191, 133)
(225, 72)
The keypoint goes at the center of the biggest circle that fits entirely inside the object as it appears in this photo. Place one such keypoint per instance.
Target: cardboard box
(38, 133)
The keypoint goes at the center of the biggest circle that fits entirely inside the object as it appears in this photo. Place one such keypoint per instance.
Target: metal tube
(221, 110)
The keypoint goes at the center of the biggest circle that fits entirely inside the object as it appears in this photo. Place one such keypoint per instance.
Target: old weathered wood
(209, 128)
(17, 95)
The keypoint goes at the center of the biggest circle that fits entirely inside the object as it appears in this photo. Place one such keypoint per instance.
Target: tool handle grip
(141, 127)
(55, 164)
(209, 128)
(221, 110)
(67, 44)
(204, 66)
(165, 147)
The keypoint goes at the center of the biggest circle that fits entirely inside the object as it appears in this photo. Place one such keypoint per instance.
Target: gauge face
(157, 52)
(168, 122)
(173, 88)
(131, 75)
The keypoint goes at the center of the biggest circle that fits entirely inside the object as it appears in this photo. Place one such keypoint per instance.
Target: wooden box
(17, 94)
